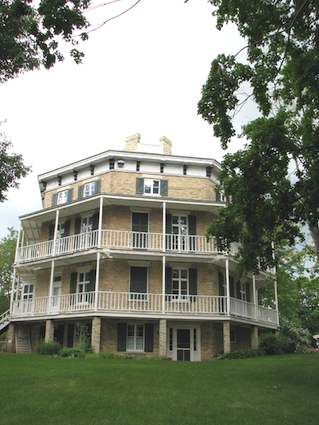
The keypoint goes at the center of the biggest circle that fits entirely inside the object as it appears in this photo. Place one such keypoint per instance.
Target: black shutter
(54, 199)
(70, 335)
(248, 292)
(221, 284)
(149, 338)
(238, 289)
(77, 225)
(192, 277)
(50, 231)
(70, 196)
(66, 228)
(73, 281)
(80, 192)
(139, 186)
(168, 280)
(192, 231)
(121, 337)
(95, 221)
(138, 279)
(231, 286)
(91, 286)
(164, 187)
(98, 186)
(168, 230)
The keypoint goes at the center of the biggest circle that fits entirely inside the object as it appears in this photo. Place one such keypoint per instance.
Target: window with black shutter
(138, 282)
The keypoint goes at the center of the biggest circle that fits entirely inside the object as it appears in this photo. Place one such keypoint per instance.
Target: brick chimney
(166, 145)
(132, 142)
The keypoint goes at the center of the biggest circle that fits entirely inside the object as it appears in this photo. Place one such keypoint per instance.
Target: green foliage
(82, 332)
(242, 354)
(12, 167)
(298, 337)
(31, 32)
(72, 352)
(273, 182)
(7, 253)
(276, 344)
(48, 348)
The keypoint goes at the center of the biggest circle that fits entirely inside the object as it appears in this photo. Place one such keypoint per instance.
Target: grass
(274, 390)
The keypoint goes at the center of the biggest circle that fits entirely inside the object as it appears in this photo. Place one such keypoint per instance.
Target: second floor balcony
(119, 240)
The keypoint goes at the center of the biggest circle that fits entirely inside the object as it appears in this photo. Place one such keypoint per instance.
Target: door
(180, 232)
(138, 283)
(140, 230)
(56, 293)
(183, 344)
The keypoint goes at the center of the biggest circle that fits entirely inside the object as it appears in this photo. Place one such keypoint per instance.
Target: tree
(272, 184)
(12, 167)
(7, 254)
(32, 32)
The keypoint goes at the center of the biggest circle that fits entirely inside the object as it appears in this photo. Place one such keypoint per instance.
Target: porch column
(163, 283)
(227, 286)
(162, 343)
(275, 282)
(49, 331)
(51, 282)
(11, 338)
(96, 334)
(57, 213)
(226, 335)
(65, 334)
(100, 223)
(97, 279)
(164, 227)
(254, 337)
(255, 301)
(13, 283)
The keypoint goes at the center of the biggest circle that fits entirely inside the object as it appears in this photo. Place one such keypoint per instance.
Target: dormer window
(151, 187)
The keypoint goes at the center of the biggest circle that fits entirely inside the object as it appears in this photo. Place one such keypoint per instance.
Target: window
(135, 337)
(89, 189)
(86, 224)
(151, 187)
(220, 195)
(83, 286)
(138, 165)
(243, 294)
(180, 283)
(92, 170)
(184, 169)
(28, 290)
(60, 231)
(162, 168)
(62, 197)
(111, 164)
(120, 163)
(208, 171)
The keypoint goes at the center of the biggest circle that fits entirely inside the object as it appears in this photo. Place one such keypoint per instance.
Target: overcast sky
(141, 73)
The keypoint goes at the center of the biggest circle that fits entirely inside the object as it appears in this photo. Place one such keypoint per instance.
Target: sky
(142, 72)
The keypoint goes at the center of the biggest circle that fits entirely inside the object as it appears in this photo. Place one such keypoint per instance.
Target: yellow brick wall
(124, 183)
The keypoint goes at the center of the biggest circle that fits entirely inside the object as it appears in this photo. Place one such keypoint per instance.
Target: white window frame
(179, 279)
(61, 195)
(150, 183)
(28, 295)
(83, 283)
(89, 189)
(89, 227)
(134, 347)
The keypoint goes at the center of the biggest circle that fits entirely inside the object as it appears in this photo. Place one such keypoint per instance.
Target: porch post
(162, 344)
(51, 285)
(254, 337)
(164, 227)
(12, 290)
(275, 282)
(49, 331)
(254, 296)
(163, 283)
(226, 335)
(100, 222)
(227, 286)
(57, 213)
(97, 279)
(96, 334)
(17, 247)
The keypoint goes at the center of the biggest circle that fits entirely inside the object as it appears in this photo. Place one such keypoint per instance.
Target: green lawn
(270, 390)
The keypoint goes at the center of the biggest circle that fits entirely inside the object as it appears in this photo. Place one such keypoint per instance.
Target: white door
(184, 343)
(180, 232)
(56, 293)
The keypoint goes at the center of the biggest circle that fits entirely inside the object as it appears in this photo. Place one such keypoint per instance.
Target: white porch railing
(131, 302)
(4, 319)
(118, 239)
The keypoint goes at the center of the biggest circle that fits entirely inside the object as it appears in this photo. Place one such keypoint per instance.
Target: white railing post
(255, 301)
(97, 279)
(163, 283)
(100, 222)
(227, 286)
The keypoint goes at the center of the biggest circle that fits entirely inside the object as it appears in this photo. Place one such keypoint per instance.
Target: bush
(276, 344)
(242, 354)
(299, 337)
(48, 348)
(74, 353)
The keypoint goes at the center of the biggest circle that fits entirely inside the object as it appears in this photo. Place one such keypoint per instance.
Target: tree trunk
(314, 231)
